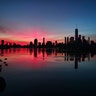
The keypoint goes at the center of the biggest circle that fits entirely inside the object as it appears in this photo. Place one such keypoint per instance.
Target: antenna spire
(76, 26)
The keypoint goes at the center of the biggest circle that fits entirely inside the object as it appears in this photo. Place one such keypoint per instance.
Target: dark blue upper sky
(60, 16)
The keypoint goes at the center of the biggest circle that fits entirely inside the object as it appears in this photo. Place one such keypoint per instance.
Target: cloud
(5, 30)
(2, 29)
(9, 27)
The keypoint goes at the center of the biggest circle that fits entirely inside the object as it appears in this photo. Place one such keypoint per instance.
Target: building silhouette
(48, 44)
(31, 44)
(80, 37)
(65, 41)
(88, 40)
(76, 34)
(35, 42)
(71, 39)
(2, 42)
(43, 41)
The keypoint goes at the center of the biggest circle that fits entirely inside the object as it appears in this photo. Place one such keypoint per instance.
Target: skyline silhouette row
(77, 42)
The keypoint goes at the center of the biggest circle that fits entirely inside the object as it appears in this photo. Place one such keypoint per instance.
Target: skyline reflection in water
(35, 55)
(46, 70)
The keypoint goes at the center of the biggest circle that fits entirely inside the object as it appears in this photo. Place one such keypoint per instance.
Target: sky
(22, 21)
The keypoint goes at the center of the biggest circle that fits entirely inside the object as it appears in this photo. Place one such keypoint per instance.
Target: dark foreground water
(37, 72)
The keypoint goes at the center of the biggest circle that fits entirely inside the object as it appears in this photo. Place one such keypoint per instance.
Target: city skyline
(78, 43)
(23, 21)
(76, 39)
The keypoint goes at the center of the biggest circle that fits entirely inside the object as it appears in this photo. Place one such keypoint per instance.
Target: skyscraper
(31, 44)
(71, 39)
(65, 41)
(76, 34)
(2, 42)
(35, 42)
(43, 41)
(80, 37)
(83, 38)
(88, 40)
(56, 42)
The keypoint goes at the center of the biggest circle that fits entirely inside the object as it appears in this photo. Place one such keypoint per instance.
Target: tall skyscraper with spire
(76, 34)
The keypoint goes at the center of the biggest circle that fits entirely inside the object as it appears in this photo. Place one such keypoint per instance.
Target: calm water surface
(30, 72)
